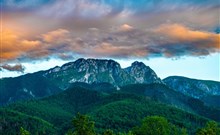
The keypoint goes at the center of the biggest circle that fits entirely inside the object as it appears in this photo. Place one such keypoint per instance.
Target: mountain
(117, 110)
(163, 94)
(45, 83)
(116, 98)
(96, 70)
(142, 73)
(193, 87)
(26, 87)
(207, 91)
(12, 121)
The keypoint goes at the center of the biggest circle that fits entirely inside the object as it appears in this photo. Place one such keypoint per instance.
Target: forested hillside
(116, 110)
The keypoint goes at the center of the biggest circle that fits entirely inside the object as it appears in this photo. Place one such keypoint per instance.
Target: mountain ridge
(103, 70)
(205, 86)
(206, 90)
(48, 82)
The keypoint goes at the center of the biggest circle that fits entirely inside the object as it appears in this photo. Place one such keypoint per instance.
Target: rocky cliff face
(142, 73)
(97, 71)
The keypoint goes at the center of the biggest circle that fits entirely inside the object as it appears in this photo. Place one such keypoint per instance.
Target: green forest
(108, 111)
(151, 125)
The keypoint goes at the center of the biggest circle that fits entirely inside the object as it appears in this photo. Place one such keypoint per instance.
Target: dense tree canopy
(211, 128)
(83, 125)
(24, 132)
(151, 125)
(154, 125)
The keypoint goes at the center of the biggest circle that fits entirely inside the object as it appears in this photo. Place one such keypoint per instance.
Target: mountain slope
(193, 87)
(113, 110)
(207, 91)
(163, 94)
(11, 121)
(26, 87)
(45, 83)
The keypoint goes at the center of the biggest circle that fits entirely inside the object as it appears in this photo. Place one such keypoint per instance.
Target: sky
(173, 37)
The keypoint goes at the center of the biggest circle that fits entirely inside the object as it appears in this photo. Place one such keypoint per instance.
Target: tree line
(151, 125)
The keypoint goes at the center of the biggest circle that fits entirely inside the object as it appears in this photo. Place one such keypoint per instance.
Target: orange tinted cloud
(28, 43)
(13, 46)
(169, 40)
(56, 35)
(113, 50)
(126, 27)
(181, 34)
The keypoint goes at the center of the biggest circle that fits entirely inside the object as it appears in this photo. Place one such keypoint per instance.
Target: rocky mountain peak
(96, 65)
(142, 73)
(138, 64)
(102, 70)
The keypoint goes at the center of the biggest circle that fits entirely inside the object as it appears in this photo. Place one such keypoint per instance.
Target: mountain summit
(99, 71)
(142, 73)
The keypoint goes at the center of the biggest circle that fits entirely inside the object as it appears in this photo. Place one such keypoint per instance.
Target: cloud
(124, 41)
(13, 46)
(76, 8)
(13, 68)
(117, 5)
(126, 27)
(167, 40)
(201, 13)
(79, 15)
(180, 33)
(55, 42)
(55, 36)
(23, 4)
(178, 40)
